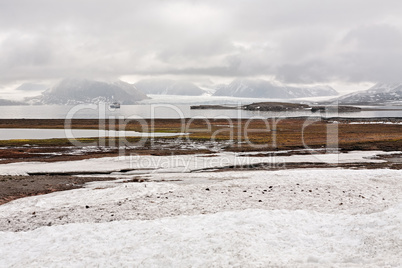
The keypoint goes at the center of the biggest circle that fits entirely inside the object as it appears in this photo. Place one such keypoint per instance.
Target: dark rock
(212, 107)
(336, 108)
(275, 106)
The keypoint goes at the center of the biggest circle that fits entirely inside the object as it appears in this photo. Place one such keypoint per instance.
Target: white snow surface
(329, 217)
(182, 163)
(249, 238)
(291, 218)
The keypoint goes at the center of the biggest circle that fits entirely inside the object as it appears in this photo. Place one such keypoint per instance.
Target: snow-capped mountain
(250, 89)
(75, 91)
(380, 93)
(168, 87)
(316, 91)
(258, 88)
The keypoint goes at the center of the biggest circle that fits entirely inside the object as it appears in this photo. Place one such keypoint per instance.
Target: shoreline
(290, 142)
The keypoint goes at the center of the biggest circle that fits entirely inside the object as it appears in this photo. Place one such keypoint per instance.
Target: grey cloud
(367, 53)
(375, 37)
(16, 51)
(304, 41)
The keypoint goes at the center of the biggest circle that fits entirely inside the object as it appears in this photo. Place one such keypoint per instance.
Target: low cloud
(299, 42)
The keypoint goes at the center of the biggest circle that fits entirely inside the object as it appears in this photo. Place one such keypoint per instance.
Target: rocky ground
(14, 187)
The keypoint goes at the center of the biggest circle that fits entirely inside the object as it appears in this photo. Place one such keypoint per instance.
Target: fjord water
(32, 133)
(167, 111)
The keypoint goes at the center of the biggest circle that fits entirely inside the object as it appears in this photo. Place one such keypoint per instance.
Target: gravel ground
(14, 187)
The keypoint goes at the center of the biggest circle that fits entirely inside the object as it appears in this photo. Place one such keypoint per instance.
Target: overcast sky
(300, 42)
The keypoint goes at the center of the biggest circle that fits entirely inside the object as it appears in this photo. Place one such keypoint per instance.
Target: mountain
(316, 91)
(378, 94)
(258, 88)
(75, 91)
(168, 87)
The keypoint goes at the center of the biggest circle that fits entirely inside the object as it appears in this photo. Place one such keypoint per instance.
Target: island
(280, 107)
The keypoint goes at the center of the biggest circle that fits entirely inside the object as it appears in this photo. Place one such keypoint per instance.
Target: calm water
(22, 133)
(160, 111)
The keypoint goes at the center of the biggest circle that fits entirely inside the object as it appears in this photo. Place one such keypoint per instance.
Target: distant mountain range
(258, 88)
(380, 93)
(76, 91)
(168, 87)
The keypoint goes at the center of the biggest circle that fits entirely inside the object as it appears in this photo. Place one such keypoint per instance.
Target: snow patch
(249, 238)
(182, 163)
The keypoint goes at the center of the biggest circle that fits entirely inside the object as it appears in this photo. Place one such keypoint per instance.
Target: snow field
(294, 218)
(321, 190)
(248, 238)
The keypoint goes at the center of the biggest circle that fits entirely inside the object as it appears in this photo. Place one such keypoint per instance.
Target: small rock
(86, 206)
(207, 189)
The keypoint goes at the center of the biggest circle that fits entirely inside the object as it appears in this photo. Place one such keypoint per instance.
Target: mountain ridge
(380, 93)
(76, 91)
(259, 88)
(168, 87)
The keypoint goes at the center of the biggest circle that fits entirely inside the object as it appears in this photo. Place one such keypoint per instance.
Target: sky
(348, 44)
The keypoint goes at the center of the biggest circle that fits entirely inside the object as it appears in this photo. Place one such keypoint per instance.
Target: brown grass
(282, 134)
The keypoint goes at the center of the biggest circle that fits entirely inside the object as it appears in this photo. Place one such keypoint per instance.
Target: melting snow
(293, 218)
(245, 236)
(181, 163)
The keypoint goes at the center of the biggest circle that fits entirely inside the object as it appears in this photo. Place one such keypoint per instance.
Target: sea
(171, 111)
